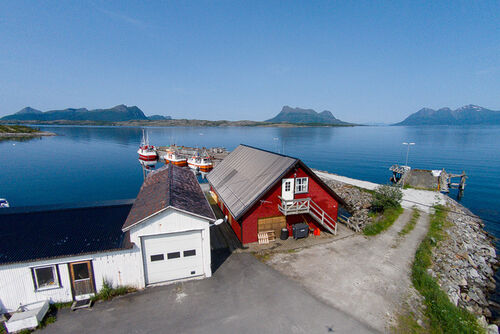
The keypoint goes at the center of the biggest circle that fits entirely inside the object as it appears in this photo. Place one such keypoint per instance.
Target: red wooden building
(260, 190)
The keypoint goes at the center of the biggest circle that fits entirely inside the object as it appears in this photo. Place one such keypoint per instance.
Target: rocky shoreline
(465, 263)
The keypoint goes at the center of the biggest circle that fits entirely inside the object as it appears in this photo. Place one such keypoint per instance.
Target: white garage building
(66, 254)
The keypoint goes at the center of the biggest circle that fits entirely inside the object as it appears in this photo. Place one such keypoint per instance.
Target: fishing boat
(4, 203)
(172, 157)
(146, 152)
(202, 163)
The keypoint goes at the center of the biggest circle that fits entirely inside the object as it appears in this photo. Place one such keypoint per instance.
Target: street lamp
(408, 151)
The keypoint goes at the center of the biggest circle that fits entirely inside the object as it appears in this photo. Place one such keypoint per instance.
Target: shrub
(107, 291)
(386, 197)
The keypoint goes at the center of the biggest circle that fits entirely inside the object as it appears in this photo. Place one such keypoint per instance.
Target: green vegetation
(16, 129)
(407, 186)
(406, 323)
(108, 292)
(444, 316)
(385, 209)
(411, 224)
(382, 221)
(386, 197)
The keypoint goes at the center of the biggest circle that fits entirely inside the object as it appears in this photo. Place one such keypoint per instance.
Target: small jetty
(439, 180)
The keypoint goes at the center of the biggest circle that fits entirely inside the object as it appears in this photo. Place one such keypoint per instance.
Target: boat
(4, 203)
(172, 157)
(147, 152)
(202, 163)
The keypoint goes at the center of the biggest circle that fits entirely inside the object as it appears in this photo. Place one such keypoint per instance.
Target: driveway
(243, 296)
(366, 277)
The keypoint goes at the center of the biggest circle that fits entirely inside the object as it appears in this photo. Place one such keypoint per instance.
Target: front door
(287, 189)
(82, 279)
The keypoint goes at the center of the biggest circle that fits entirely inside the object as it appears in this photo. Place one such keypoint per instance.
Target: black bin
(284, 233)
(300, 230)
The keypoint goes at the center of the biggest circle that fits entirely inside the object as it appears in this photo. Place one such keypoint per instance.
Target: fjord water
(88, 164)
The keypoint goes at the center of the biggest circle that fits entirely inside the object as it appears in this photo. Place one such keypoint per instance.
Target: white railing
(307, 205)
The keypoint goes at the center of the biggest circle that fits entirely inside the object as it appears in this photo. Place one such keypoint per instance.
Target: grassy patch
(406, 323)
(407, 186)
(383, 221)
(3, 330)
(263, 257)
(411, 224)
(107, 291)
(444, 316)
(16, 129)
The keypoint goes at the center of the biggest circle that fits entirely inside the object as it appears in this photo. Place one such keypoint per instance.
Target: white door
(172, 256)
(287, 189)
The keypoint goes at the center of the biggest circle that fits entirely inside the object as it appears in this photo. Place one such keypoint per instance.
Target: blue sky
(364, 61)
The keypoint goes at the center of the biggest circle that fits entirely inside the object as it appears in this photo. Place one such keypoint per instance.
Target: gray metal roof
(247, 172)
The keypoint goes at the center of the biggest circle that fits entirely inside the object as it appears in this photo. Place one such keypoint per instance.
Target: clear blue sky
(364, 61)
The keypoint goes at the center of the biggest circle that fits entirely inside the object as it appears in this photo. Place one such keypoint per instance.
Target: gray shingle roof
(245, 174)
(169, 186)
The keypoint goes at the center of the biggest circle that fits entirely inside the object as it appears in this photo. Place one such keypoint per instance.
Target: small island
(20, 131)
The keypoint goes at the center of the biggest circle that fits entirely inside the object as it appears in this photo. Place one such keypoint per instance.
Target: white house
(66, 254)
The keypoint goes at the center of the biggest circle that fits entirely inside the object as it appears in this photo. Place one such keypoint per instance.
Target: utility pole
(406, 164)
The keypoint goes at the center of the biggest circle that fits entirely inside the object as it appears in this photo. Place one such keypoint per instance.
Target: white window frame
(54, 275)
(301, 185)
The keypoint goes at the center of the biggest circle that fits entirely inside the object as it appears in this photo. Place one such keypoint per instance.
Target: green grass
(444, 316)
(411, 224)
(2, 328)
(383, 221)
(16, 129)
(108, 292)
(407, 186)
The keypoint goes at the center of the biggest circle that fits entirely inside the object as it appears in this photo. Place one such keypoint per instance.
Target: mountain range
(118, 113)
(305, 116)
(466, 115)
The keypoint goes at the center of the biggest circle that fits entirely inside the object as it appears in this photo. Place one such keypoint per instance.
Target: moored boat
(202, 163)
(4, 203)
(174, 158)
(147, 152)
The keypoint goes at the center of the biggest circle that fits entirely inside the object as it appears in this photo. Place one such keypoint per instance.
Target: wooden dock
(216, 153)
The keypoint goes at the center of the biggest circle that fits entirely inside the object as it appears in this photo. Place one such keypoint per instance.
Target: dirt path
(366, 277)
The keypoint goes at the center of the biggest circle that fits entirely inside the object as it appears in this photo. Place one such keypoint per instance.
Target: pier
(217, 154)
(439, 180)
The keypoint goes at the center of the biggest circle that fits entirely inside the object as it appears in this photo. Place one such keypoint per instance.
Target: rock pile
(465, 262)
(358, 203)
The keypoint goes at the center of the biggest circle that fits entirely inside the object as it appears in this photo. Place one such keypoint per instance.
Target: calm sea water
(86, 164)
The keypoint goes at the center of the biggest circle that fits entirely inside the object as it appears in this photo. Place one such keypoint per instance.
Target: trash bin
(300, 230)
(284, 233)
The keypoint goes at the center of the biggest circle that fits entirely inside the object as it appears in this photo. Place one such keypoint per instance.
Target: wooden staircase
(307, 205)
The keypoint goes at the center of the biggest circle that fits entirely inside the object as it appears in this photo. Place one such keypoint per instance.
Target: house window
(301, 185)
(191, 252)
(174, 255)
(45, 277)
(287, 186)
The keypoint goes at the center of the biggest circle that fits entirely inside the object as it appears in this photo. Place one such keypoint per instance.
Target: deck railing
(307, 205)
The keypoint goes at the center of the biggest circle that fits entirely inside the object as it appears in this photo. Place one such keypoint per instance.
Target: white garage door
(172, 256)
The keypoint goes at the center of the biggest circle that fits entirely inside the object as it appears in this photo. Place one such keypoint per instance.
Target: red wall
(268, 206)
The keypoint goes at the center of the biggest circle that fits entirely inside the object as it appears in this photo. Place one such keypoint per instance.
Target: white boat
(172, 157)
(4, 203)
(147, 152)
(202, 163)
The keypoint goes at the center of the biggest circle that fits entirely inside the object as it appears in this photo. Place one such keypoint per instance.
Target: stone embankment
(465, 262)
(358, 203)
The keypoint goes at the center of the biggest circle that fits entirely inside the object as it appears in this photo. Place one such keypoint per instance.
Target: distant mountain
(159, 117)
(469, 114)
(307, 116)
(116, 114)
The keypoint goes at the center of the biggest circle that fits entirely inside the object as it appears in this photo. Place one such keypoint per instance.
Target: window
(174, 255)
(157, 257)
(45, 277)
(191, 252)
(287, 186)
(301, 185)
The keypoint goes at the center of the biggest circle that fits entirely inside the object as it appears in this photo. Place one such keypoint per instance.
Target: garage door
(172, 256)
